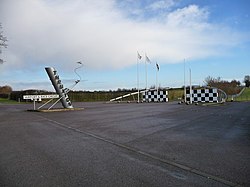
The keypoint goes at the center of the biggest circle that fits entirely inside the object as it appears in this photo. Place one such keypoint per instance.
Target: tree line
(230, 87)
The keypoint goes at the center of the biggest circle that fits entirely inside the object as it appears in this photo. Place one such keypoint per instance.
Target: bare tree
(3, 41)
(5, 89)
(230, 88)
(210, 81)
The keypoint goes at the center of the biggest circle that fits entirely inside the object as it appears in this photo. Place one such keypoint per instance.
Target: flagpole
(185, 98)
(146, 71)
(157, 81)
(190, 86)
(138, 99)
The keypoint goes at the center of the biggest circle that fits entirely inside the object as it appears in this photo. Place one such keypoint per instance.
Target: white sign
(40, 96)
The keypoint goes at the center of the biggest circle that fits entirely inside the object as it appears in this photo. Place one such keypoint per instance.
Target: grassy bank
(7, 101)
(88, 96)
(175, 94)
(245, 96)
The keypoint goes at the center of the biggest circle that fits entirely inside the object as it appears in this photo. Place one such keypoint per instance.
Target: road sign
(40, 96)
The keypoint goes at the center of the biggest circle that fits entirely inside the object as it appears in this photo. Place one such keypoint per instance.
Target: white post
(190, 87)
(185, 98)
(34, 104)
(156, 81)
(138, 96)
(146, 71)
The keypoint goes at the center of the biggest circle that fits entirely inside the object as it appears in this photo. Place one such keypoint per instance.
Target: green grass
(245, 96)
(7, 101)
(175, 94)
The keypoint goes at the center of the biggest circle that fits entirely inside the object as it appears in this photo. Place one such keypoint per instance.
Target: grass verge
(7, 101)
(245, 96)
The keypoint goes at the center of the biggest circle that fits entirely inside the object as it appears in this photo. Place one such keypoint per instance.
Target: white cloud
(162, 4)
(188, 16)
(58, 33)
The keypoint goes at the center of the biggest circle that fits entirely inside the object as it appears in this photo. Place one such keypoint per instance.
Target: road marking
(165, 161)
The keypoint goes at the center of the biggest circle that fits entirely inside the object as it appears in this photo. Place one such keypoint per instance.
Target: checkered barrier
(203, 95)
(152, 96)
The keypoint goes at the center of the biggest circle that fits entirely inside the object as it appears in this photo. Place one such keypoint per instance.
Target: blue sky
(212, 36)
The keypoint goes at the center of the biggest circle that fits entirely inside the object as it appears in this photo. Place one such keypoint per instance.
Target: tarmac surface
(126, 144)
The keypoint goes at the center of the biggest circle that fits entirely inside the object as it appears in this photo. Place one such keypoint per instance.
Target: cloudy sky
(212, 36)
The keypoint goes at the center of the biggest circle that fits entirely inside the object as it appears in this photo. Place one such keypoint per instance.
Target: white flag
(157, 66)
(147, 59)
(139, 56)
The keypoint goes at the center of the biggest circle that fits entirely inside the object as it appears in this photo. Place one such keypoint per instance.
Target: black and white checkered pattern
(152, 96)
(203, 95)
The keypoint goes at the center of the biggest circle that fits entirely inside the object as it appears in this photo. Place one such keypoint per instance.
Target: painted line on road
(168, 162)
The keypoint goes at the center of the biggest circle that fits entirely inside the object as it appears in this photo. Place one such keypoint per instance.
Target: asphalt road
(146, 144)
